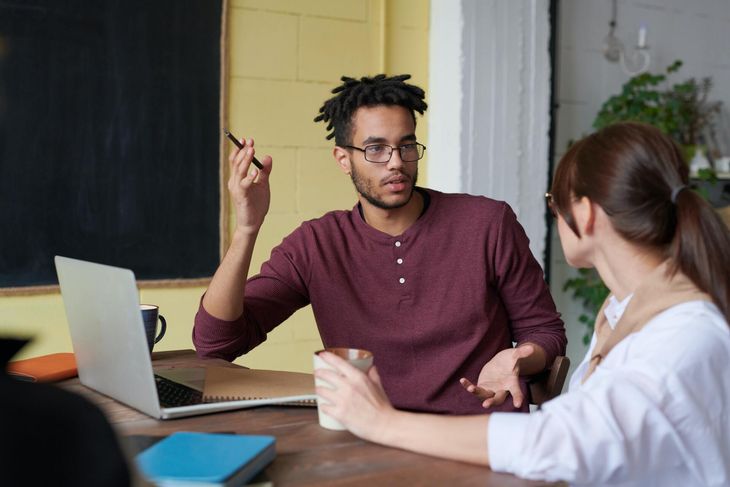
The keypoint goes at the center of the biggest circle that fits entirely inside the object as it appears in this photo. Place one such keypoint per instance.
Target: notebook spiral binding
(212, 399)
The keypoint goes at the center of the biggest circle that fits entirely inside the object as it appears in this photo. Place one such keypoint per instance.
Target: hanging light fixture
(634, 61)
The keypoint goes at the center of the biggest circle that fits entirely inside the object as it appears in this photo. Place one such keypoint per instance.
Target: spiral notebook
(239, 384)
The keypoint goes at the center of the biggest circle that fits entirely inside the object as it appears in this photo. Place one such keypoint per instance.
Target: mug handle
(163, 329)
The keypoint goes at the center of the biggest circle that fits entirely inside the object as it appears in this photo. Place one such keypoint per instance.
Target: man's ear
(342, 157)
(584, 212)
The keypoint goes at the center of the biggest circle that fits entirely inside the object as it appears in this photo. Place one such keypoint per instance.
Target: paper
(229, 383)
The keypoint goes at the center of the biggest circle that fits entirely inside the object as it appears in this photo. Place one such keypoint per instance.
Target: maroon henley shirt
(433, 304)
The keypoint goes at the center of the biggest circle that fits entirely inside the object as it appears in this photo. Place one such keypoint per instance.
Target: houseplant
(680, 110)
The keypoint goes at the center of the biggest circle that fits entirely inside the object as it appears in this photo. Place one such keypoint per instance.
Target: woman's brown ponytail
(701, 248)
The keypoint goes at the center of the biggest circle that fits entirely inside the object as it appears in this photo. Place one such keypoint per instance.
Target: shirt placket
(400, 254)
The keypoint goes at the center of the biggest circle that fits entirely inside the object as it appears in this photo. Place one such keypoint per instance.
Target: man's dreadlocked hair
(367, 92)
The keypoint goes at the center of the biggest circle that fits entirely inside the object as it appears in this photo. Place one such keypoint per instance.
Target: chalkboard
(109, 136)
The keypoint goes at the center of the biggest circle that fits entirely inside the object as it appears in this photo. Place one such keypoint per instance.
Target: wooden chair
(725, 214)
(550, 383)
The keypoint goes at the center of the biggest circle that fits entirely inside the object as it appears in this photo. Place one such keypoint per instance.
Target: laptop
(109, 342)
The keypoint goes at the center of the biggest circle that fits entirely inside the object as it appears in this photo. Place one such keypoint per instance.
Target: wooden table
(306, 453)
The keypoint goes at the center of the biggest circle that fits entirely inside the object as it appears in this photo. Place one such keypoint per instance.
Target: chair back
(549, 384)
(725, 214)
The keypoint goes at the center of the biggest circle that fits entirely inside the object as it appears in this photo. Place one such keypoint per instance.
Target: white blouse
(656, 411)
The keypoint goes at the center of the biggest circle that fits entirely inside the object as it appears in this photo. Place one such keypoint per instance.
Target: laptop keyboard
(173, 394)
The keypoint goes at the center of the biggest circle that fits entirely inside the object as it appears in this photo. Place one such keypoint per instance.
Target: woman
(650, 403)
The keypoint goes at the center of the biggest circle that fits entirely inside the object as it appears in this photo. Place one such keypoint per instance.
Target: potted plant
(681, 111)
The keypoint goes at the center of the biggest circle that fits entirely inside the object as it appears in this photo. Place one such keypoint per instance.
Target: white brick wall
(697, 32)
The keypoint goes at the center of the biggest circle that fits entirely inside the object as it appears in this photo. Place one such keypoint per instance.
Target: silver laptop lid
(107, 333)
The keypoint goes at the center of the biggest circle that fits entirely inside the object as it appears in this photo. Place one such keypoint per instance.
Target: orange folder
(46, 368)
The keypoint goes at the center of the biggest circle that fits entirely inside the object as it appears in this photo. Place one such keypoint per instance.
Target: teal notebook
(198, 459)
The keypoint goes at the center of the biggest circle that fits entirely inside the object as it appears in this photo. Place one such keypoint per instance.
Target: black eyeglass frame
(551, 205)
(419, 147)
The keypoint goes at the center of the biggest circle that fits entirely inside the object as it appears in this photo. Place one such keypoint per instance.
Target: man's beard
(365, 189)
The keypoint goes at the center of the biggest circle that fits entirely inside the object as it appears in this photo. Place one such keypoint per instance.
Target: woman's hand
(357, 400)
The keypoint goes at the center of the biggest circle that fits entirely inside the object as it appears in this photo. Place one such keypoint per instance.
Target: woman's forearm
(462, 438)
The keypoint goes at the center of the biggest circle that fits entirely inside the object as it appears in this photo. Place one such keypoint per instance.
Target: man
(436, 285)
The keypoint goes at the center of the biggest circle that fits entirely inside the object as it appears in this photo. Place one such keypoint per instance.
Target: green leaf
(674, 67)
(707, 174)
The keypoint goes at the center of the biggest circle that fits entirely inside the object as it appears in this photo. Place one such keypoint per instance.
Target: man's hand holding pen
(249, 187)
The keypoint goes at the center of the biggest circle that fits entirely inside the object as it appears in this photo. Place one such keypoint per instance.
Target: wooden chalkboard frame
(224, 204)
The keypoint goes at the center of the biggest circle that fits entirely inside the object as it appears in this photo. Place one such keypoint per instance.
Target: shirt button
(402, 280)
(400, 261)
(397, 244)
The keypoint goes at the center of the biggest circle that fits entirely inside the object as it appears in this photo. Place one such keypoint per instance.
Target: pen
(233, 139)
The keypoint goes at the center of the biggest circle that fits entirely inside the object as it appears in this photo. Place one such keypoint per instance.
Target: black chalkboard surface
(109, 133)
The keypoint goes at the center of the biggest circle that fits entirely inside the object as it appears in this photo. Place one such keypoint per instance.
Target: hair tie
(675, 193)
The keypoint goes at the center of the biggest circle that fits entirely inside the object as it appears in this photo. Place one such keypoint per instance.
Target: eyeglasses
(381, 153)
(551, 205)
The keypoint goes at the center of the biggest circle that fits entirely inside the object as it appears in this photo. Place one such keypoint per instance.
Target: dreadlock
(352, 94)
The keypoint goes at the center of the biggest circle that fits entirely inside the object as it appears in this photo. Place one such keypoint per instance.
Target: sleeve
(522, 288)
(271, 297)
(611, 431)
(654, 410)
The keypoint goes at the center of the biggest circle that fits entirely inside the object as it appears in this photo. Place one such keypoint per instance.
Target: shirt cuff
(549, 346)
(505, 439)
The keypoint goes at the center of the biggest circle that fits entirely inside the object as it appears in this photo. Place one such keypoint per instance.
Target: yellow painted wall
(284, 58)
